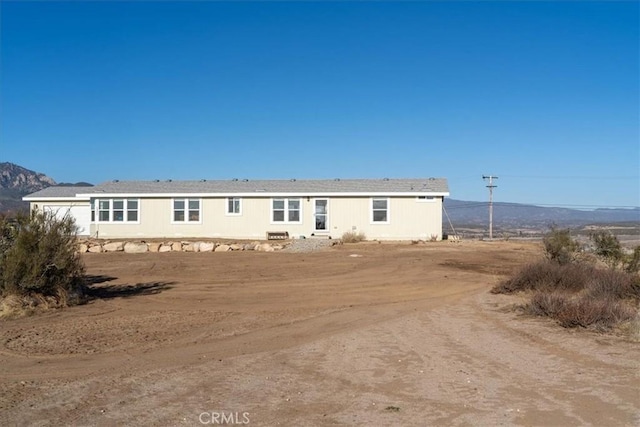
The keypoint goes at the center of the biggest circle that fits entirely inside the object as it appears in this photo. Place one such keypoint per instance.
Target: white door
(322, 214)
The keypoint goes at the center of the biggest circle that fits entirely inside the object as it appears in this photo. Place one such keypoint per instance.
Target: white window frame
(186, 210)
(95, 210)
(286, 210)
(426, 199)
(388, 210)
(229, 200)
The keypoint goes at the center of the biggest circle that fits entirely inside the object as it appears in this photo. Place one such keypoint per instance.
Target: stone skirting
(134, 247)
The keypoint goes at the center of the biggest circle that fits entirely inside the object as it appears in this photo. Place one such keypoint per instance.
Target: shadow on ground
(96, 288)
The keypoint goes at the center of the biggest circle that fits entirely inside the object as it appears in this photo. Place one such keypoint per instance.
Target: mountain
(516, 215)
(15, 182)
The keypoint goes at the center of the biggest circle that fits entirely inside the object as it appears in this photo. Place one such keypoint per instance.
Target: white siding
(409, 219)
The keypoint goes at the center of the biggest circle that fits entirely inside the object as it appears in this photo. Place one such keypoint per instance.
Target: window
(186, 210)
(104, 209)
(118, 210)
(380, 210)
(294, 210)
(113, 210)
(132, 210)
(234, 206)
(286, 210)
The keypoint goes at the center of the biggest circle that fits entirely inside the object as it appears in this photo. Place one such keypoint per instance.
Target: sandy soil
(397, 335)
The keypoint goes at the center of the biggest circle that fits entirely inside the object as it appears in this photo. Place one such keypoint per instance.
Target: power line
(629, 177)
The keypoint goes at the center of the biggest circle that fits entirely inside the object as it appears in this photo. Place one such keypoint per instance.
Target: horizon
(545, 96)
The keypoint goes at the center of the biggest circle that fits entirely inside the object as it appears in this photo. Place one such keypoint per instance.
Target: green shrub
(607, 247)
(353, 237)
(559, 246)
(39, 257)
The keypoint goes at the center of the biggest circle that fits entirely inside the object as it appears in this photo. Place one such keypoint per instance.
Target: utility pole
(490, 187)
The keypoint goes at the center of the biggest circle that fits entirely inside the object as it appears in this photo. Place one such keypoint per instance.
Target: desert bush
(551, 277)
(546, 275)
(587, 311)
(353, 237)
(548, 304)
(559, 246)
(39, 258)
(608, 248)
(613, 284)
(580, 311)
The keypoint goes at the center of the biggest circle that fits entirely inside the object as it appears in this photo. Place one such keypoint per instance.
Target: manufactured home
(383, 209)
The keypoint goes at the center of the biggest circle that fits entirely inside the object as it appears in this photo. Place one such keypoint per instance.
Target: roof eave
(269, 194)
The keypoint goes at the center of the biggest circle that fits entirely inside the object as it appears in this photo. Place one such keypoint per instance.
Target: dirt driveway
(365, 334)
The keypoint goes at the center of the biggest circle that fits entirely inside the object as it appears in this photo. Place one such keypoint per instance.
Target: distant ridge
(517, 215)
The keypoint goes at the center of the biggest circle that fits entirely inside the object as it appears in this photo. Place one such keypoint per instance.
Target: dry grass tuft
(353, 237)
(14, 306)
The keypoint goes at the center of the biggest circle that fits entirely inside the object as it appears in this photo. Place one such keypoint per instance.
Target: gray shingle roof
(61, 192)
(424, 185)
(300, 187)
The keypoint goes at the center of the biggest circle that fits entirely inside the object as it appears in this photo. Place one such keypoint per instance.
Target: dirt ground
(364, 334)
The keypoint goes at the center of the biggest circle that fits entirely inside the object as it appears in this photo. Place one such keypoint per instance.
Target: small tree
(559, 246)
(608, 248)
(39, 256)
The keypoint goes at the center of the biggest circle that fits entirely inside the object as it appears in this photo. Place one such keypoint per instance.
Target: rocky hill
(15, 182)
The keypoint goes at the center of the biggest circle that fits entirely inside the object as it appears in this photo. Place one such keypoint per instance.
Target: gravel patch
(309, 245)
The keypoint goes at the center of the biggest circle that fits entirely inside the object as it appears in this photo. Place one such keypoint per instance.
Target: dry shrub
(587, 311)
(580, 311)
(577, 294)
(14, 306)
(631, 329)
(546, 275)
(613, 284)
(547, 304)
(353, 237)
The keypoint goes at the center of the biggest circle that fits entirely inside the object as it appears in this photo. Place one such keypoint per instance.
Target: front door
(321, 214)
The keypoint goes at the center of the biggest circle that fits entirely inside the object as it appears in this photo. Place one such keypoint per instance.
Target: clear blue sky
(544, 95)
